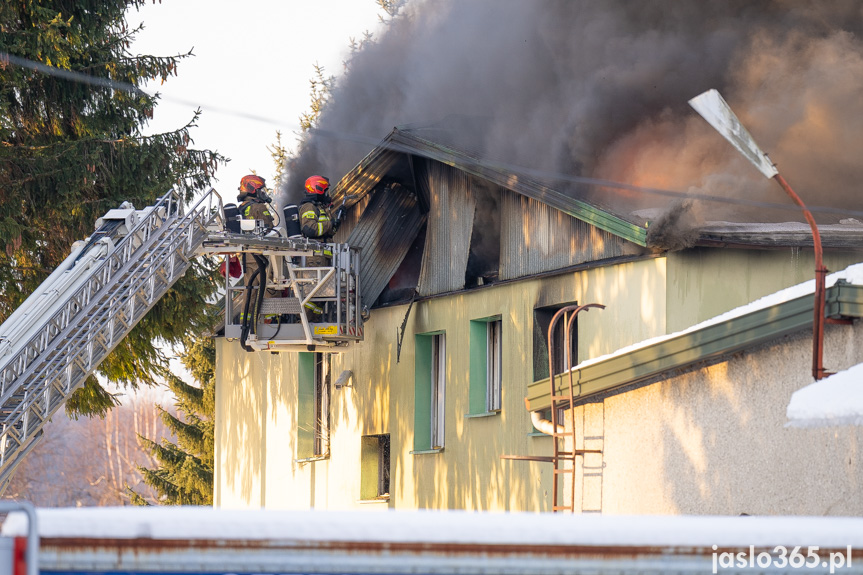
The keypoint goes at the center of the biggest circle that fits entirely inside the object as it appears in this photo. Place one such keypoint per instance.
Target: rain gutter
(712, 342)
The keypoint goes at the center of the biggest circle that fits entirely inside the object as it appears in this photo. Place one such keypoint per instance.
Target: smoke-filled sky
(600, 89)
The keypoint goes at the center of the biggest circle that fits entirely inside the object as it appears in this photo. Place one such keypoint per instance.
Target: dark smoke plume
(600, 89)
(675, 229)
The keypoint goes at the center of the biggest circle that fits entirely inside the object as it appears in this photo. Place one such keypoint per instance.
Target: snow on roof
(203, 523)
(852, 274)
(834, 400)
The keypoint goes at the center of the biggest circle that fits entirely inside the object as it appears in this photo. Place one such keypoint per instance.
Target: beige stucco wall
(256, 396)
(706, 282)
(714, 441)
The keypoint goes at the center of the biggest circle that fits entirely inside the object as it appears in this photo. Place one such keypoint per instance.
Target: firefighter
(254, 204)
(317, 220)
(254, 200)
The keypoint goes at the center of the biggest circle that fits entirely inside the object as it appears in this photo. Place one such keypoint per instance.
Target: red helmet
(251, 184)
(317, 185)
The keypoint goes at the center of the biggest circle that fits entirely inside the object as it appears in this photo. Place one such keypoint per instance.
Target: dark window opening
(483, 262)
(541, 321)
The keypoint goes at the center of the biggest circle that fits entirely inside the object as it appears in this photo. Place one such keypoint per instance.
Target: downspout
(543, 425)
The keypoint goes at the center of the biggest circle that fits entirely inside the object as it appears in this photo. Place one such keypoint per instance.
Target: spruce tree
(73, 148)
(185, 472)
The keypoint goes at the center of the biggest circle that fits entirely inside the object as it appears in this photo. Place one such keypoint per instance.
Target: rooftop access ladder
(58, 337)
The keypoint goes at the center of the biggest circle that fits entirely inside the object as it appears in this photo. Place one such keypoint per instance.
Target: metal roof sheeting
(384, 234)
(537, 238)
(366, 175)
(409, 141)
(351, 218)
(449, 229)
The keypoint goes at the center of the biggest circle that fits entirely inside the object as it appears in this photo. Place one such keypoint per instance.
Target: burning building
(464, 262)
(477, 229)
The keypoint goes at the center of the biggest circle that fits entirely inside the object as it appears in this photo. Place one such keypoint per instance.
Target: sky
(248, 65)
(251, 70)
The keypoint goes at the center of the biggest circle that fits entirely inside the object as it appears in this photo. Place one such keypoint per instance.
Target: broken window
(483, 262)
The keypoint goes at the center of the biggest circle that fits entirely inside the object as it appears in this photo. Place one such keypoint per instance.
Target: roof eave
(709, 343)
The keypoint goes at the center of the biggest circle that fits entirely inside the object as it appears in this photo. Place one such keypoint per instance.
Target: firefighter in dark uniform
(317, 219)
(254, 205)
(254, 200)
(318, 222)
(316, 213)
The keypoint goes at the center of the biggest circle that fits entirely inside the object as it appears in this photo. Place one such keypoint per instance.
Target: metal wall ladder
(71, 343)
(563, 456)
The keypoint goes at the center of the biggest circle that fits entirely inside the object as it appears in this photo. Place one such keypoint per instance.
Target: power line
(82, 78)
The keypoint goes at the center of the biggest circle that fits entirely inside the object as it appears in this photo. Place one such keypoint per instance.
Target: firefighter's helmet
(317, 185)
(251, 184)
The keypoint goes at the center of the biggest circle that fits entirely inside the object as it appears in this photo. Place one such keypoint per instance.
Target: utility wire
(79, 77)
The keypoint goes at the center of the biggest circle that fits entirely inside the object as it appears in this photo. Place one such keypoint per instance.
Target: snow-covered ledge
(835, 400)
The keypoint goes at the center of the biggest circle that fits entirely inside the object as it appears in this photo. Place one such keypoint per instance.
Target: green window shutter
(422, 392)
(478, 366)
(306, 406)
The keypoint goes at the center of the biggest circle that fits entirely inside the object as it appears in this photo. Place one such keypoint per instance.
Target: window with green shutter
(486, 350)
(429, 392)
(313, 406)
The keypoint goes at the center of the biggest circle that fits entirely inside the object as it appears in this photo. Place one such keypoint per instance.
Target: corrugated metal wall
(537, 238)
(449, 229)
(352, 217)
(384, 234)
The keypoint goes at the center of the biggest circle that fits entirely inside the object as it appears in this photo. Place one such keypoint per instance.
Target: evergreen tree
(185, 472)
(71, 121)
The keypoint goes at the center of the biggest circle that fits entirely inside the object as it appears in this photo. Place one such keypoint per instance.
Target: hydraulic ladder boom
(58, 337)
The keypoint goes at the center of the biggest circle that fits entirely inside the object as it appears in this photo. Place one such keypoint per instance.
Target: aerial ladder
(63, 331)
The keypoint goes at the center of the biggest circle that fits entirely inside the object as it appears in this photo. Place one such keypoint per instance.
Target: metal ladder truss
(121, 288)
(563, 458)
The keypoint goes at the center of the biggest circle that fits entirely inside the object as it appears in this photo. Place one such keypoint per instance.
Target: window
(375, 467)
(541, 321)
(313, 413)
(486, 350)
(429, 392)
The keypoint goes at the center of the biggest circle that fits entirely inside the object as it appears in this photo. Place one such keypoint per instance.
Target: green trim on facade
(422, 392)
(306, 406)
(843, 300)
(478, 366)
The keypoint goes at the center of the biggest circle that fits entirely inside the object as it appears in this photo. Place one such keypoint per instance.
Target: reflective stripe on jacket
(257, 211)
(315, 220)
